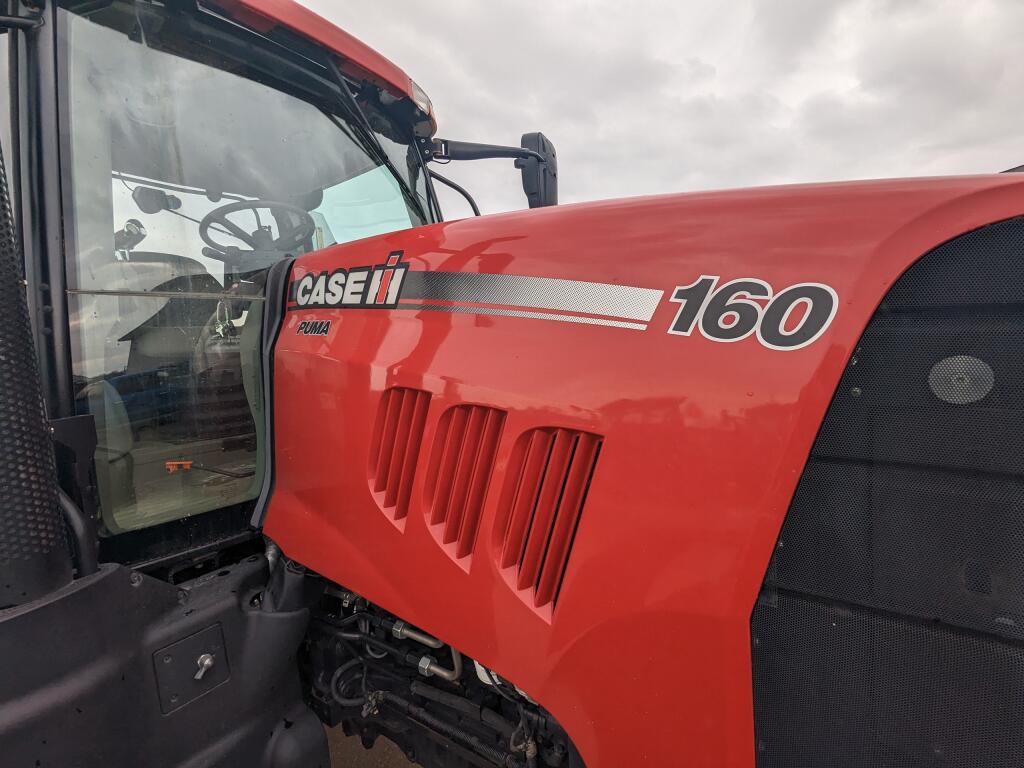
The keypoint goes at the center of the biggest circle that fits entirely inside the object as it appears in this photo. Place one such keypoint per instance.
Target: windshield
(198, 155)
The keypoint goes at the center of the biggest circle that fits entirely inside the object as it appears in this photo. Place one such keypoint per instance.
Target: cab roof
(361, 59)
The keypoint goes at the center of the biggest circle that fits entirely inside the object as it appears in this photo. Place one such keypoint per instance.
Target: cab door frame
(35, 172)
(117, 667)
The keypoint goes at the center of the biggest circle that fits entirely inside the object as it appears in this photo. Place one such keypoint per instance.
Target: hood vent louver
(459, 474)
(543, 504)
(395, 447)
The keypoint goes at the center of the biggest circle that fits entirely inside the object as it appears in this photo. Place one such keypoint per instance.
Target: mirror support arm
(443, 149)
(535, 158)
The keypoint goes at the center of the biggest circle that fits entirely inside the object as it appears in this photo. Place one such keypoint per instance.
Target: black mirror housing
(150, 200)
(535, 158)
(540, 179)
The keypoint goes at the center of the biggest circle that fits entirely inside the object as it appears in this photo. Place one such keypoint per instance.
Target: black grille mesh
(891, 627)
(33, 548)
(840, 688)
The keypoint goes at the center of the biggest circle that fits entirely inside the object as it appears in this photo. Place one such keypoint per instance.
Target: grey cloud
(788, 31)
(665, 96)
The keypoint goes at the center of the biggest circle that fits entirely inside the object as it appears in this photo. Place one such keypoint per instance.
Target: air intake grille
(547, 489)
(460, 472)
(891, 627)
(397, 435)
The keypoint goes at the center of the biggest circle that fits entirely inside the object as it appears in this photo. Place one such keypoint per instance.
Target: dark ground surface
(348, 752)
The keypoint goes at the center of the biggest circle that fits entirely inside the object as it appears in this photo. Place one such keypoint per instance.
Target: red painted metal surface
(645, 658)
(361, 60)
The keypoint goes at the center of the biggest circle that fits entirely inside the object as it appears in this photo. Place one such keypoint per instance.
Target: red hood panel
(404, 430)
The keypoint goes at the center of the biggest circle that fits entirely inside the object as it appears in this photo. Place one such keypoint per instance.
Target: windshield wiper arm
(349, 101)
(370, 141)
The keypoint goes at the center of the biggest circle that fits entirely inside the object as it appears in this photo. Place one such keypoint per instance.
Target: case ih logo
(379, 285)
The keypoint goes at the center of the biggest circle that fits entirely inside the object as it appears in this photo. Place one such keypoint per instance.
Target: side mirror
(535, 157)
(540, 179)
(152, 200)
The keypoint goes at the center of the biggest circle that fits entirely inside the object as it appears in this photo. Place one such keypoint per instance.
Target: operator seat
(229, 395)
(158, 335)
(115, 471)
(149, 271)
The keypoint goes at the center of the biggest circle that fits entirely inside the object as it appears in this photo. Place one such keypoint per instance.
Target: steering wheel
(294, 225)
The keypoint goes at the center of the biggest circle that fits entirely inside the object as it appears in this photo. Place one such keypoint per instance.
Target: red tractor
(730, 479)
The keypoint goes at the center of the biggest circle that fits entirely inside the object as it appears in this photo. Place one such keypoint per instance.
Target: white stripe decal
(525, 313)
(623, 301)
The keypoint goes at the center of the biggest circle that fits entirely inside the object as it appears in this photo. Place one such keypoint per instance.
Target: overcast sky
(674, 95)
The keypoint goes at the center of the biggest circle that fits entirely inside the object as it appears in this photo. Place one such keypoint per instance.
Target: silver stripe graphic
(524, 313)
(624, 301)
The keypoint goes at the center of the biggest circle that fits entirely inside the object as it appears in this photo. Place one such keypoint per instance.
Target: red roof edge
(360, 60)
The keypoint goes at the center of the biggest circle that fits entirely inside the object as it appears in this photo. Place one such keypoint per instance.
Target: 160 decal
(790, 319)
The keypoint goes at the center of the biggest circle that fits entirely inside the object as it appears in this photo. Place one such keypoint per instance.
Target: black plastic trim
(41, 212)
(176, 540)
(87, 669)
(276, 298)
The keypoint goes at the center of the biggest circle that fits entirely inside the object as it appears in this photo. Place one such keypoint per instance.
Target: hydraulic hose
(337, 685)
(460, 703)
(426, 665)
(84, 536)
(465, 706)
(423, 717)
(372, 641)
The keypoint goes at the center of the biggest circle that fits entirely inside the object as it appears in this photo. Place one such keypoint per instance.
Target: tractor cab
(161, 158)
(188, 148)
(194, 156)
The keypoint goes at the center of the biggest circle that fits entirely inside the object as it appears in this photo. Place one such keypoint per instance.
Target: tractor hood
(512, 430)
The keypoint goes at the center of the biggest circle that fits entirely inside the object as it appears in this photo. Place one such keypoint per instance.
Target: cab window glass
(189, 177)
(360, 207)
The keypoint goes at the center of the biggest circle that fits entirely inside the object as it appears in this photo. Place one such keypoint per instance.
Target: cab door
(165, 165)
(133, 630)
(142, 620)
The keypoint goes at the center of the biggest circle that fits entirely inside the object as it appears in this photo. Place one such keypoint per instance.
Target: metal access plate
(176, 666)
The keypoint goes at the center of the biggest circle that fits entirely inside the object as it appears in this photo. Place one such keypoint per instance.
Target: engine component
(366, 671)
